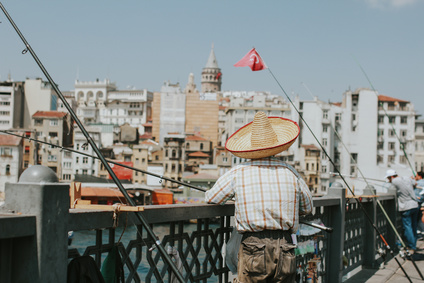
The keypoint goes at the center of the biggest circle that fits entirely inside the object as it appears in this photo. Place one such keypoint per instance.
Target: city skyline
(311, 48)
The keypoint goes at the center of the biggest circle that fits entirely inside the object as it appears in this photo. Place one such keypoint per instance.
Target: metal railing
(199, 233)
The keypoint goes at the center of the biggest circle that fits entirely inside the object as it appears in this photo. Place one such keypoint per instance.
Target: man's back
(269, 195)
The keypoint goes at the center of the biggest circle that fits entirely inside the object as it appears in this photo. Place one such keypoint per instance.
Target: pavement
(391, 271)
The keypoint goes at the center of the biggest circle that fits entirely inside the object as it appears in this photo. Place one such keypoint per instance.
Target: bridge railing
(195, 234)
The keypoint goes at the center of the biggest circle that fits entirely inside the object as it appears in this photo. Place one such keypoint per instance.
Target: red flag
(253, 60)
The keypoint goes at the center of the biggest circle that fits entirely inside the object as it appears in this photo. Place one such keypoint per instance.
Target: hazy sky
(313, 45)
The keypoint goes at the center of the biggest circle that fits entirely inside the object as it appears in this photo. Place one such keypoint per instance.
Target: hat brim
(239, 143)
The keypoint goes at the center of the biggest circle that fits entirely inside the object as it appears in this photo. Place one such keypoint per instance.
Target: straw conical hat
(265, 136)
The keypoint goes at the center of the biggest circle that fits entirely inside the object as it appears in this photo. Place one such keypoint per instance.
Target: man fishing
(269, 197)
(407, 206)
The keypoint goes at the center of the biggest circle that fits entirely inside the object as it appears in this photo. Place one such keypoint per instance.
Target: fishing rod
(362, 178)
(374, 199)
(344, 180)
(387, 115)
(108, 160)
(139, 216)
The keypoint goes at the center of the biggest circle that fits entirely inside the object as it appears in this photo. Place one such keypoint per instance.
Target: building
(168, 112)
(310, 161)
(377, 133)
(11, 159)
(11, 105)
(51, 127)
(202, 112)
(198, 151)
(102, 102)
(173, 159)
(20, 100)
(419, 145)
(86, 165)
(323, 119)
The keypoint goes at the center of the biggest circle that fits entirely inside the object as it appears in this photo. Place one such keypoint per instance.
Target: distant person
(407, 206)
(419, 189)
(269, 197)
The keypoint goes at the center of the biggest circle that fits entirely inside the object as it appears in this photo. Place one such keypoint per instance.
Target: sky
(313, 48)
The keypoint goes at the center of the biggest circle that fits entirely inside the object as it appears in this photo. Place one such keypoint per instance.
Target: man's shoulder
(269, 162)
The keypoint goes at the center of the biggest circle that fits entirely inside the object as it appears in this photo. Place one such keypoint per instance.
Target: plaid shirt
(268, 195)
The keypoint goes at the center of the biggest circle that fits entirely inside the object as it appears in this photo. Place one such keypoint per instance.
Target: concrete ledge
(14, 226)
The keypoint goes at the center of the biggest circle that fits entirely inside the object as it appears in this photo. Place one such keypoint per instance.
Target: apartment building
(11, 159)
(52, 127)
(101, 102)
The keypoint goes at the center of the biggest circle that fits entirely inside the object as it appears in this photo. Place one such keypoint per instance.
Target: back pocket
(254, 257)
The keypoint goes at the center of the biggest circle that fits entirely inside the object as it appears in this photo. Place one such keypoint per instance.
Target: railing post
(336, 239)
(370, 234)
(39, 193)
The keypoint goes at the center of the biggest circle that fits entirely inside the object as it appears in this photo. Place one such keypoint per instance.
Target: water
(83, 239)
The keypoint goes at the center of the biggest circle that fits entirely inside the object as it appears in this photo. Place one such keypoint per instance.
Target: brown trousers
(266, 256)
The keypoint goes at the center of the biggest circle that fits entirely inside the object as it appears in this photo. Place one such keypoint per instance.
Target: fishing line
(139, 216)
(374, 199)
(343, 179)
(385, 113)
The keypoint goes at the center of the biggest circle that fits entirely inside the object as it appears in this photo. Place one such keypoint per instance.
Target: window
(51, 158)
(38, 122)
(85, 160)
(53, 134)
(392, 119)
(66, 177)
(324, 142)
(7, 169)
(201, 146)
(325, 129)
(325, 114)
(54, 122)
(77, 160)
(338, 117)
(391, 145)
(391, 133)
(84, 171)
(380, 119)
(403, 119)
(5, 151)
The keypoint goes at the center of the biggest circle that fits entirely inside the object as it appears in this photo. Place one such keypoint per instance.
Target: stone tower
(211, 75)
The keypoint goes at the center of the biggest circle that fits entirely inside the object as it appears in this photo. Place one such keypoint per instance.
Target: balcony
(198, 232)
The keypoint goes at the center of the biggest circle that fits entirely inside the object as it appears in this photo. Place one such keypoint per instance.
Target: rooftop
(9, 140)
(49, 114)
